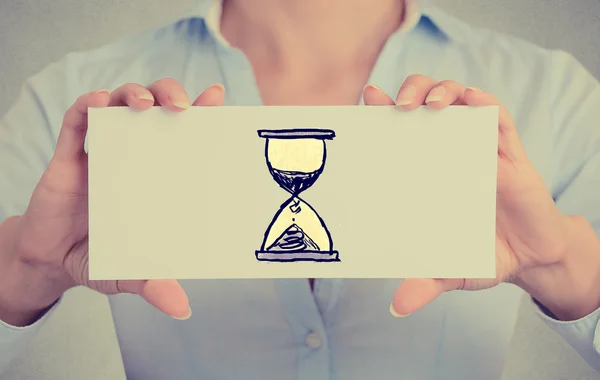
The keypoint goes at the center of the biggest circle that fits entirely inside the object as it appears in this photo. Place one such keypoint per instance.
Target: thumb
(71, 138)
(413, 294)
(166, 295)
(509, 142)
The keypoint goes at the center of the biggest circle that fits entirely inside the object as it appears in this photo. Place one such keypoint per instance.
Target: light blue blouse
(280, 329)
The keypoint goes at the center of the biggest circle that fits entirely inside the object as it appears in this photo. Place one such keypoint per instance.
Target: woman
(315, 53)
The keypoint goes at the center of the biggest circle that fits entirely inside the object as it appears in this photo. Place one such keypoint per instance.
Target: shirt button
(313, 340)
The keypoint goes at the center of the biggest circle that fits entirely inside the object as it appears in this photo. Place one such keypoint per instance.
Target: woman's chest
(254, 329)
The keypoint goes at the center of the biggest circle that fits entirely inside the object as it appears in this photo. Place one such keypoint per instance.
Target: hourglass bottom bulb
(297, 233)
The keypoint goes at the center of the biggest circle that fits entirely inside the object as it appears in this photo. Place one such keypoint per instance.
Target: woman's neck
(286, 34)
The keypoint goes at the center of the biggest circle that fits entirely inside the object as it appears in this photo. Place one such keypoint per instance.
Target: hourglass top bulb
(296, 157)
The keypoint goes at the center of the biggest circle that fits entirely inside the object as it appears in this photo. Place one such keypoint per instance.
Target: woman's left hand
(531, 233)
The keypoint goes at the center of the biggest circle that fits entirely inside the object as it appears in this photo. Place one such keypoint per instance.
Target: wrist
(570, 287)
(25, 290)
(19, 305)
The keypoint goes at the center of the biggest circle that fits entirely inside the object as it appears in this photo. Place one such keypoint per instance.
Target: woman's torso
(254, 329)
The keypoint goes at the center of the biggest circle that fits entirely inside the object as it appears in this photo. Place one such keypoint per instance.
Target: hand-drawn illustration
(296, 158)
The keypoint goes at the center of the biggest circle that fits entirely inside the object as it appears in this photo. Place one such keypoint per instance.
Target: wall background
(79, 342)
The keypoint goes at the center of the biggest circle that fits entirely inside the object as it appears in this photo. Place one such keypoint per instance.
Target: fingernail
(181, 102)
(372, 86)
(144, 95)
(218, 85)
(187, 316)
(406, 96)
(436, 94)
(102, 91)
(395, 313)
(474, 89)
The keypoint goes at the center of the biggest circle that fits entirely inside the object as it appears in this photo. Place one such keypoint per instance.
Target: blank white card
(292, 192)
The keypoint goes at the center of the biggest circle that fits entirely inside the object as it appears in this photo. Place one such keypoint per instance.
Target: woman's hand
(52, 247)
(533, 238)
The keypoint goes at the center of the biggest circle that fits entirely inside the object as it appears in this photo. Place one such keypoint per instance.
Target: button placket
(306, 325)
(314, 340)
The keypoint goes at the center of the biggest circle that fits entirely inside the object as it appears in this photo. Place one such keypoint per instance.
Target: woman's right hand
(52, 234)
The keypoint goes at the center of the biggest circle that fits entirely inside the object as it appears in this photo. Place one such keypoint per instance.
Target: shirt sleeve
(583, 334)
(576, 112)
(13, 339)
(28, 133)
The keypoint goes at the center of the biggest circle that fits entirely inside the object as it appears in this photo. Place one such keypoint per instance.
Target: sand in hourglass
(294, 239)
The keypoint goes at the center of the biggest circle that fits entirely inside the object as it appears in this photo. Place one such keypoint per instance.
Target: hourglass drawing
(296, 158)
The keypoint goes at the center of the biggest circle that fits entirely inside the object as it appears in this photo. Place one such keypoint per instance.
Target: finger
(166, 295)
(444, 94)
(374, 96)
(133, 95)
(509, 142)
(170, 94)
(414, 90)
(413, 294)
(212, 96)
(71, 138)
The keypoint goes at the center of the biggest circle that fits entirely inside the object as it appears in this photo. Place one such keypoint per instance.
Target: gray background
(79, 341)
